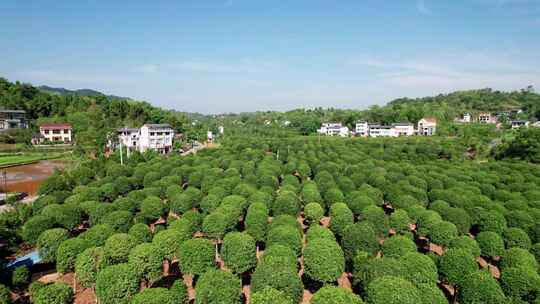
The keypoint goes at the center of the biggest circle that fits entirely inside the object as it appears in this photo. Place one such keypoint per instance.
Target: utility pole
(121, 157)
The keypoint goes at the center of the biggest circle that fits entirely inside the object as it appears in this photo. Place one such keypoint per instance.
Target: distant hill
(79, 92)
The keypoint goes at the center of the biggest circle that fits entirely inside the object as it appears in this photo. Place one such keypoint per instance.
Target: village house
(157, 137)
(486, 118)
(13, 119)
(466, 118)
(536, 124)
(403, 129)
(333, 129)
(128, 138)
(427, 126)
(516, 124)
(361, 129)
(55, 132)
(376, 130)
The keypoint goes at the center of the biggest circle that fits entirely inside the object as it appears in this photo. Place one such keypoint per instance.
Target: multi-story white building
(54, 132)
(403, 129)
(516, 124)
(486, 118)
(333, 129)
(427, 126)
(362, 129)
(13, 119)
(381, 131)
(158, 137)
(129, 137)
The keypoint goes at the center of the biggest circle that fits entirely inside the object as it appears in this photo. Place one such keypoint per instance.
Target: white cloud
(422, 8)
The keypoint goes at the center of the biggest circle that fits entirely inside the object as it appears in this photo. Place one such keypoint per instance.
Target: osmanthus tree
(442, 233)
(392, 290)
(117, 284)
(280, 255)
(466, 242)
(196, 256)
(279, 276)
(67, 216)
(313, 212)
(180, 292)
(152, 208)
(378, 219)
(456, 264)
(141, 232)
(49, 241)
(419, 268)
(286, 203)
(333, 294)
(147, 261)
(359, 236)
(117, 248)
(491, 244)
(20, 276)
(87, 265)
(319, 232)
(398, 246)
(323, 260)
(481, 287)
(340, 217)
(120, 220)
(67, 253)
(239, 252)
(431, 293)
(257, 221)
(285, 235)
(32, 229)
(55, 293)
(516, 237)
(519, 258)
(217, 286)
(157, 295)
(270, 296)
(168, 242)
(520, 283)
(5, 294)
(98, 234)
(400, 221)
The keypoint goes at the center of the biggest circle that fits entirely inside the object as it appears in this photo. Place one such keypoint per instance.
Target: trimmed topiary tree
(98, 234)
(491, 244)
(32, 229)
(257, 221)
(196, 256)
(216, 286)
(518, 257)
(286, 203)
(357, 201)
(376, 217)
(397, 246)
(285, 235)
(481, 287)
(340, 217)
(117, 284)
(239, 252)
(5, 295)
(456, 264)
(323, 260)
(442, 233)
(141, 233)
(120, 220)
(419, 268)
(431, 294)
(147, 261)
(392, 290)
(180, 292)
(49, 241)
(313, 212)
(56, 293)
(516, 237)
(280, 254)
(335, 295)
(491, 221)
(270, 296)
(117, 248)
(20, 276)
(520, 283)
(319, 232)
(400, 221)
(278, 276)
(168, 242)
(67, 253)
(157, 295)
(359, 236)
(87, 265)
(152, 208)
(466, 242)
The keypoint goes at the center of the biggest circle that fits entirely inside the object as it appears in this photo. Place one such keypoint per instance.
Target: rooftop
(12, 111)
(157, 126)
(55, 126)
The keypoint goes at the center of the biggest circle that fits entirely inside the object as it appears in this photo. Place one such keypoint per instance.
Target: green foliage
(323, 260)
(377, 218)
(117, 284)
(359, 236)
(431, 294)
(180, 292)
(87, 265)
(152, 208)
(319, 232)
(516, 237)
(49, 241)
(491, 244)
(280, 255)
(5, 295)
(147, 261)
(269, 296)
(525, 145)
(456, 264)
(392, 290)
(169, 241)
(239, 252)
(419, 268)
(257, 221)
(33, 228)
(278, 276)
(520, 258)
(340, 217)
(196, 256)
(117, 248)
(520, 282)
(20, 276)
(335, 295)
(397, 246)
(399, 221)
(466, 242)
(141, 233)
(120, 220)
(216, 286)
(157, 295)
(67, 253)
(443, 233)
(313, 212)
(287, 236)
(56, 293)
(481, 287)
(98, 234)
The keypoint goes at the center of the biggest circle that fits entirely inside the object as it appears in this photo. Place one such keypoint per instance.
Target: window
(167, 133)
(159, 133)
(46, 131)
(66, 131)
(152, 133)
(56, 131)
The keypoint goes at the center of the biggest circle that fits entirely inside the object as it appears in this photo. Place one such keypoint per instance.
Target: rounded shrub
(120, 220)
(392, 290)
(286, 203)
(520, 282)
(481, 287)
(98, 234)
(33, 228)
(323, 260)
(376, 216)
(5, 295)
(397, 246)
(152, 208)
(335, 295)
(466, 242)
(270, 296)
(491, 221)
(168, 242)
(285, 235)
(117, 284)
(313, 212)
(67, 253)
(518, 257)
(319, 232)
(157, 295)
(340, 217)
(359, 236)
(443, 233)
(210, 203)
(56, 293)
(239, 252)
(456, 264)
(431, 294)
(87, 265)
(20, 276)
(196, 256)
(281, 255)
(399, 221)
(216, 286)
(49, 241)
(419, 268)
(141, 233)
(357, 201)
(516, 237)
(147, 262)
(257, 221)
(180, 292)
(216, 224)
(117, 248)
(491, 244)
(368, 269)
(278, 276)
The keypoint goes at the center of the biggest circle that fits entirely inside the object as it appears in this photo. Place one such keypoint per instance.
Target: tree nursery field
(270, 220)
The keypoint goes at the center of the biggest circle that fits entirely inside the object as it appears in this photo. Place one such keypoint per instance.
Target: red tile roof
(55, 126)
(430, 119)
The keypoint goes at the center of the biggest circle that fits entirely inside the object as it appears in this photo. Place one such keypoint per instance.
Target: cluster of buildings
(48, 132)
(496, 118)
(426, 127)
(157, 137)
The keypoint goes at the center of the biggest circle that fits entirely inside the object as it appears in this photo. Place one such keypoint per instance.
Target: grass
(24, 158)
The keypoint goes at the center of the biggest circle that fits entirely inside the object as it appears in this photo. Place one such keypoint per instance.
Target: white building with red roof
(56, 132)
(427, 126)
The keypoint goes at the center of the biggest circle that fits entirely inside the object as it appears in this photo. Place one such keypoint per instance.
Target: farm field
(290, 220)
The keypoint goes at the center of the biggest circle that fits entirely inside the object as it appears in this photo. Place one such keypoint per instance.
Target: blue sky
(245, 55)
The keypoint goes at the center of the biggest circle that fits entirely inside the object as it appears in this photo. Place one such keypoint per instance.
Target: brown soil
(188, 280)
(451, 290)
(86, 296)
(325, 221)
(483, 263)
(439, 250)
(28, 178)
(306, 299)
(246, 290)
(344, 281)
(495, 272)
